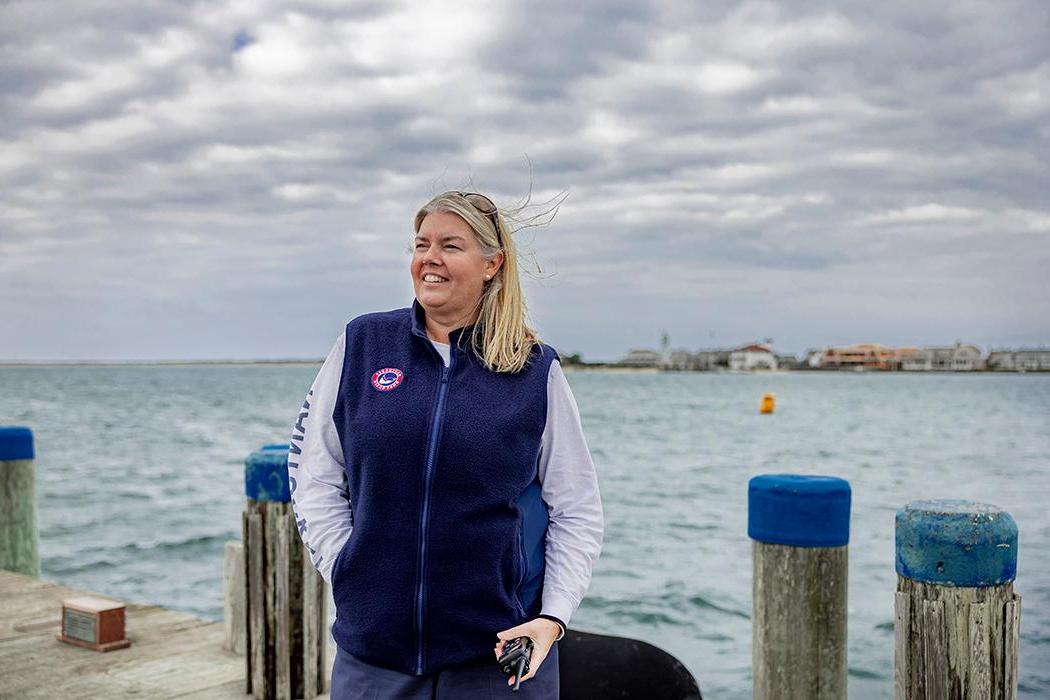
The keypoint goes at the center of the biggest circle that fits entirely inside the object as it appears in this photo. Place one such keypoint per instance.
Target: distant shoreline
(159, 363)
(596, 367)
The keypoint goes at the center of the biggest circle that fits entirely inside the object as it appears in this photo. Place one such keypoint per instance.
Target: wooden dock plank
(172, 654)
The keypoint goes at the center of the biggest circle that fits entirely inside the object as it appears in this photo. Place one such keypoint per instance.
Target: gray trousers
(353, 679)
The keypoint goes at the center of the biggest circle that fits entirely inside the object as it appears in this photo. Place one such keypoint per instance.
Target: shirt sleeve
(316, 473)
(570, 489)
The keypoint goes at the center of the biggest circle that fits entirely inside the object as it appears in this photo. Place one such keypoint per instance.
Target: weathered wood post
(234, 616)
(19, 549)
(800, 530)
(284, 594)
(957, 617)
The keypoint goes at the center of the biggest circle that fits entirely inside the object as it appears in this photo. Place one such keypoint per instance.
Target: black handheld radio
(515, 659)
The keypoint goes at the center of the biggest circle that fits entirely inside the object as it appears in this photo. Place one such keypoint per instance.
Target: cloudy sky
(237, 179)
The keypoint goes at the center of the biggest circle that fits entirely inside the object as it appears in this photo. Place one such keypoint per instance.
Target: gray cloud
(815, 173)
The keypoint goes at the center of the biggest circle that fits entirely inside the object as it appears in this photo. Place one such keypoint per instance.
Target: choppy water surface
(140, 482)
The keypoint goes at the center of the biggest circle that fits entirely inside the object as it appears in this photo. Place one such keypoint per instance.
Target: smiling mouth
(431, 278)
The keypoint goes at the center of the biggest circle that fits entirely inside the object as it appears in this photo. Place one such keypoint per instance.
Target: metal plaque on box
(93, 623)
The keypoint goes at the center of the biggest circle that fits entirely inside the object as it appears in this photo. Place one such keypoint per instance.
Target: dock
(172, 654)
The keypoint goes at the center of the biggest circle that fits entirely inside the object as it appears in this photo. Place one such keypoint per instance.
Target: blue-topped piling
(16, 443)
(266, 474)
(957, 617)
(799, 511)
(799, 526)
(956, 543)
(283, 594)
(19, 543)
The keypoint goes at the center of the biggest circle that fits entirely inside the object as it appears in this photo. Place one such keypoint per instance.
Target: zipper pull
(444, 375)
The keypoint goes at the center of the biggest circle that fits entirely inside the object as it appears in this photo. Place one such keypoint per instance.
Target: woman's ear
(493, 264)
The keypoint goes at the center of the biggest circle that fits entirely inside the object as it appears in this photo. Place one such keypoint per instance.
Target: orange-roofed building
(859, 355)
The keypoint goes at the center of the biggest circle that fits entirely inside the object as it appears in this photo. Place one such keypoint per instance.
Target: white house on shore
(963, 357)
(754, 356)
(1024, 360)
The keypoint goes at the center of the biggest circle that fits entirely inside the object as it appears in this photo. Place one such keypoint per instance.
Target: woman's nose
(432, 256)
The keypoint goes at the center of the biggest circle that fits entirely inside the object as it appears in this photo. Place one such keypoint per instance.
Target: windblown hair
(502, 338)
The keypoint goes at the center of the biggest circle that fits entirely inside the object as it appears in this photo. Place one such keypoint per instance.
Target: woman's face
(448, 270)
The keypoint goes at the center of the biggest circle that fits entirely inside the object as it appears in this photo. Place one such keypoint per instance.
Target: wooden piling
(233, 589)
(957, 617)
(19, 544)
(314, 630)
(285, 617)
(800, 530)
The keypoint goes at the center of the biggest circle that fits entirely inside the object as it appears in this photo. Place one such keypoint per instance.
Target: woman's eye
(419, 245)
(452, 247)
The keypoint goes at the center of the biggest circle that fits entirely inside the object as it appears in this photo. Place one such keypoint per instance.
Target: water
(140, 482)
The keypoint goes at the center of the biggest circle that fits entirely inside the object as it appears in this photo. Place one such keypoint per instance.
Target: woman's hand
(542, 631)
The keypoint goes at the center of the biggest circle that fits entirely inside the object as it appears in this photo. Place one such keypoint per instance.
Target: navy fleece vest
(449, 527)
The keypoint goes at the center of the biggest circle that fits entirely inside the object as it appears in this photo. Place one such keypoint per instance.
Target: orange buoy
(767, 404)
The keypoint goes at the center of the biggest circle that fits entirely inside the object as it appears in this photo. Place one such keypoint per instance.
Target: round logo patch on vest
(387, 379)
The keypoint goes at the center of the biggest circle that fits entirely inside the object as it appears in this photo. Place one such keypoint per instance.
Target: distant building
(642, 357)
(903, 356)
(681, 359)
(859, 355)
(813, 358)
(967, 358)
(754, 356)
(962, 357)
(788, 362)
(707, 360)
(1019, 360)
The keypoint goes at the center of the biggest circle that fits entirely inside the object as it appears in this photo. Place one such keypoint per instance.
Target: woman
(441, 480)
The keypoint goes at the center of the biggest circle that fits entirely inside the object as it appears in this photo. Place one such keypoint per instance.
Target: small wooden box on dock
(93, 623)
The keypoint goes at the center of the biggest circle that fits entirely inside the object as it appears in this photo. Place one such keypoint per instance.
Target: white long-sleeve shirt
(321, 500)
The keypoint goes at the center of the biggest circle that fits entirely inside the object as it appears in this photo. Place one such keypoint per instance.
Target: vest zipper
(424, 515)
(523, 562)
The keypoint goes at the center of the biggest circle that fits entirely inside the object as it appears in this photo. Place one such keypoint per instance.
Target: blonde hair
(502, 337)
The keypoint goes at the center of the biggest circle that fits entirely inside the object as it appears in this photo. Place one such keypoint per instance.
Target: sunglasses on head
(486, 207)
